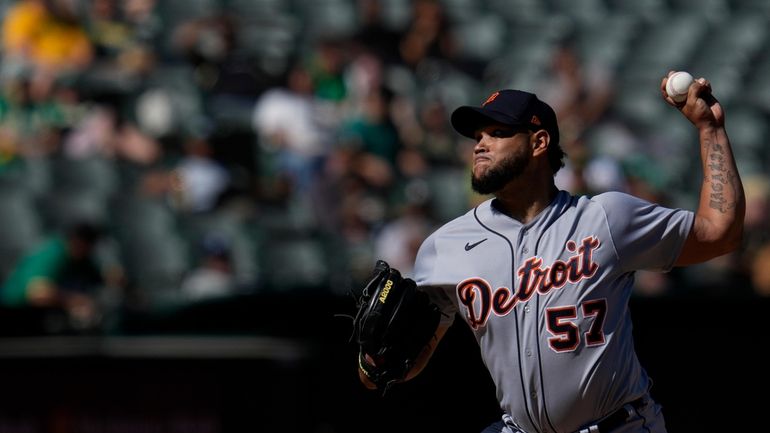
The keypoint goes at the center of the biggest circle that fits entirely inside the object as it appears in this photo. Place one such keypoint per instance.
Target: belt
(617, 418)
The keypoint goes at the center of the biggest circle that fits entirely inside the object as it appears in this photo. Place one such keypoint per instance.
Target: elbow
(725, 248)
(719, 237)
(708, 241)
(731, 240)
(735, 240)
(735, 232)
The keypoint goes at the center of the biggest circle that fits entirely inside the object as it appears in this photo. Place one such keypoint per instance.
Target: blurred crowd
(159, 153)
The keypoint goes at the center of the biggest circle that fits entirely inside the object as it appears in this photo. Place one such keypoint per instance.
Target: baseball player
(543, 278)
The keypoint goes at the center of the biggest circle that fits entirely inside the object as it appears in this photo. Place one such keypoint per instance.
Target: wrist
(709, 131)
(706, 124)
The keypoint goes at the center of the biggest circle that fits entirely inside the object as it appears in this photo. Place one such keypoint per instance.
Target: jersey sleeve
(426, 277)
(646, 236)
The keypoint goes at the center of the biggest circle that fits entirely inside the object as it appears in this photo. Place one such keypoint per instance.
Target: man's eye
(502, 133)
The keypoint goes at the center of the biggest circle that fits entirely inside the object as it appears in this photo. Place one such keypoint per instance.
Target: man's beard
(495, 178)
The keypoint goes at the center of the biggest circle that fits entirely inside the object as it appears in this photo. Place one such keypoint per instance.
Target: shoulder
(612, 198)
(625, 211)
(457, 229)
(621, 205)
(616, 203)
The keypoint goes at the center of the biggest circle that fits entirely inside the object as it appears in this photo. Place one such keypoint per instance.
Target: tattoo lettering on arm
(720, 178)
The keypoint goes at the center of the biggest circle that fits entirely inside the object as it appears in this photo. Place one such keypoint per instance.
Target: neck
(524, 200)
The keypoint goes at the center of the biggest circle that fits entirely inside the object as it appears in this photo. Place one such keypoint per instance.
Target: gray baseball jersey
(548, 300)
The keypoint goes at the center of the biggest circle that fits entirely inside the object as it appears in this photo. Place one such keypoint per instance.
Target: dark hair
(555, 156)
(86, 231)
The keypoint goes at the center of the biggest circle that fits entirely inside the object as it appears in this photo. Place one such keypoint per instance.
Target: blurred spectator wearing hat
(213, 276)
(61, 272)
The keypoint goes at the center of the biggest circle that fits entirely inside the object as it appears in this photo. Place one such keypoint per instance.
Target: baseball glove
(394, 322)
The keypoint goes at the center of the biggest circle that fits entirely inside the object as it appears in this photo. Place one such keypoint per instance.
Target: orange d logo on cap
(490, 99)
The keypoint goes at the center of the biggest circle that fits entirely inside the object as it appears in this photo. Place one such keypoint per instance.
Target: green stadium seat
(20, 226)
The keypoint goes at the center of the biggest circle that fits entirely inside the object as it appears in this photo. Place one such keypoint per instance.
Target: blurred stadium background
(190, 189)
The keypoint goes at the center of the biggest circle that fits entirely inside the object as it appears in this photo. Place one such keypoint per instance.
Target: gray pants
(647, 420)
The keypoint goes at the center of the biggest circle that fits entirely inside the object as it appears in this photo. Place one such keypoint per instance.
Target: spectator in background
(374, 139)
(94, 135)
(202, 179)
(205, 40)
(134, 145)
(104, 133)
(374, 35)
(579, 93)
(60, 272)
(123, 48)
(143, 17)
(30, 115)
(213, 276)
(326, 67)
(209, 44)
(439, 144)
(363, 75)
(45, 35)
(35, 113)
(286, 122)
(428, 35)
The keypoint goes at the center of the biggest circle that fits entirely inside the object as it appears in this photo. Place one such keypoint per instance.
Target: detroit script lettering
(476, 294)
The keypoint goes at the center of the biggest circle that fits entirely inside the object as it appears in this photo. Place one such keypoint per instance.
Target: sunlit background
(191, 189)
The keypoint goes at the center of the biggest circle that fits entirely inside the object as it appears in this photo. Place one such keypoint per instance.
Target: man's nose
(481, 144)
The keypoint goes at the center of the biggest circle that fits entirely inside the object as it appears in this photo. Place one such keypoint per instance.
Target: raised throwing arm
(718, 225)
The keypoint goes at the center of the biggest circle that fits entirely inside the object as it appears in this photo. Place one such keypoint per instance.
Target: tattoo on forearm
(720, 178)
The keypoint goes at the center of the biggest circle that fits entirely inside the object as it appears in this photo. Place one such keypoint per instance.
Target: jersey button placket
(532, 362)
(524, 249)
(528, 326)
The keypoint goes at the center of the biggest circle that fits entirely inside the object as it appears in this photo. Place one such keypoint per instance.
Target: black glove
(394, 323)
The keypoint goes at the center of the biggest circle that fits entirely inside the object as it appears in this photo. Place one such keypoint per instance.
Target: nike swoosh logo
(469, 246)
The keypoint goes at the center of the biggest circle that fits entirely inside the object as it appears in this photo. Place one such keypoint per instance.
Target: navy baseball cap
(508, 107)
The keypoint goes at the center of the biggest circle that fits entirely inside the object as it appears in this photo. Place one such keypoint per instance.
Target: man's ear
(540, 140)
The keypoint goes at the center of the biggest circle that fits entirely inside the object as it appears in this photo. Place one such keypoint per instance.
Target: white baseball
(678, 84)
